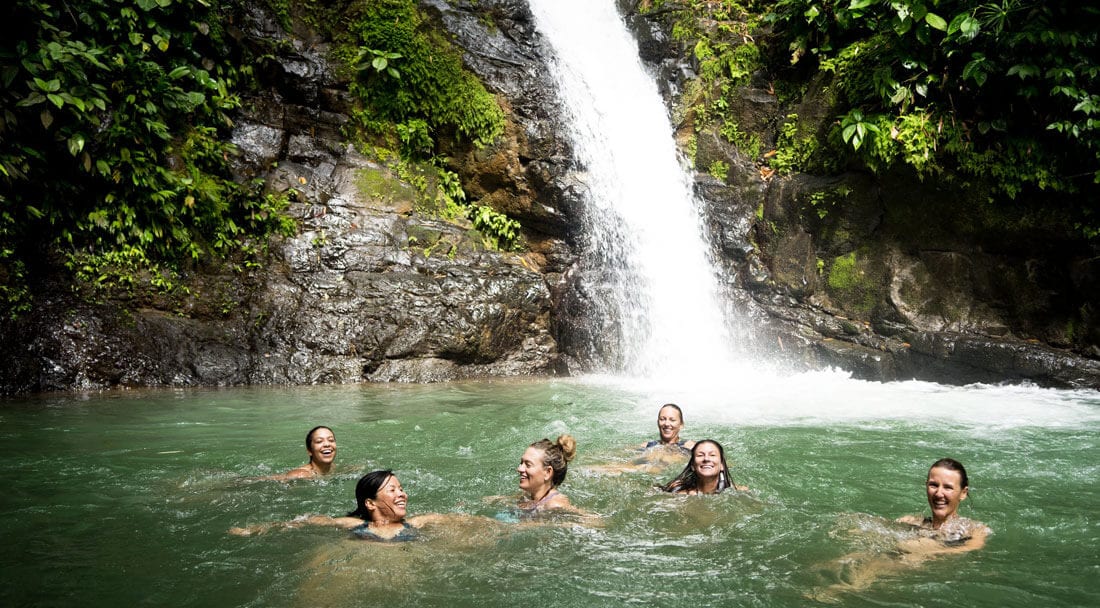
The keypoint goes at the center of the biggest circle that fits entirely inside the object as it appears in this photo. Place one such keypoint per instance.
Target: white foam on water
(756, 397)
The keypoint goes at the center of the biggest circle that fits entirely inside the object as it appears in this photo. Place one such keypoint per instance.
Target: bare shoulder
(301, 472)
(912, 520)
(448, 519)
(688, 445)
(558, 502)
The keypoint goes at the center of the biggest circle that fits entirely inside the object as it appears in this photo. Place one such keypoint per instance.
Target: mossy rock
(856, 282)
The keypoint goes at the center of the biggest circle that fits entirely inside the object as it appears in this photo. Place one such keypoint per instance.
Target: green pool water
(124, 498)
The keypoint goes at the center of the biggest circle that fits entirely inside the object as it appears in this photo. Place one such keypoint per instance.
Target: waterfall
(644, 257)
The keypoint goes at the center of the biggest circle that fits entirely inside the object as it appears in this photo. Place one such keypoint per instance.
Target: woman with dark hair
(321, 447)
(542, 469)
(919, 539)
(379, 515)
(705, 473)
(946, 487)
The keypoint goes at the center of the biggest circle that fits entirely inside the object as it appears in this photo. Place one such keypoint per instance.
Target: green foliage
(432, 85)
(500, 232)
(720, 34)
(112, 137)
(1005, 90)
(431, 98)
(794, 148)
(719, 170)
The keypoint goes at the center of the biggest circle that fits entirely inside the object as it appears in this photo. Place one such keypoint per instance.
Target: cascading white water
(644, 238)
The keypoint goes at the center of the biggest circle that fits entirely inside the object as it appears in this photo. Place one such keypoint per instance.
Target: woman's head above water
(321, 446)
(544, 464)
(946, 487)
(380, 498)
(705, 473)
(670, 421)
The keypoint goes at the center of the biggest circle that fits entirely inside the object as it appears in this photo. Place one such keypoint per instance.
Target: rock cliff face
(370, 290)
(367, 290)
(888, 277)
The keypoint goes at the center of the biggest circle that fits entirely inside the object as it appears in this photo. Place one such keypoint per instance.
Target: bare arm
(311, 520)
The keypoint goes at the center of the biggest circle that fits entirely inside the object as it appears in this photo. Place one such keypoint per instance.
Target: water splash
(644, 262)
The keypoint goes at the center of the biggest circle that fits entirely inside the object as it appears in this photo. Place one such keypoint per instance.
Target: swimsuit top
(679, 444)
(955, 531)
(535, 507)
(518, 514)
(364, 532)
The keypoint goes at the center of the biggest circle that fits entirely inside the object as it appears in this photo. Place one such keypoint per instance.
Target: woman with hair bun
(542, 469)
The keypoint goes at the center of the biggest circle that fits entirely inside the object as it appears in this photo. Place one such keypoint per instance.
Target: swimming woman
(705, 473)
(657, 454)
(321, 447)
(542, 469)
(944, 531)
(380, 513)
(922, 538)
(670, 421)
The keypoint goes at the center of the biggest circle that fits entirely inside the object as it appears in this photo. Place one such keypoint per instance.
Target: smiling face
(706, 461)
(669, 423)
(945, 492)
(389, 505)
(534, 474)
(322, 446)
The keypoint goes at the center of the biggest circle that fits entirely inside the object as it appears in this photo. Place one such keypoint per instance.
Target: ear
(965, 492)
(369, 504)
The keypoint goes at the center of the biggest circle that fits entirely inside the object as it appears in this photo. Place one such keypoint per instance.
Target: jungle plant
(1002, 90)
(113, 140)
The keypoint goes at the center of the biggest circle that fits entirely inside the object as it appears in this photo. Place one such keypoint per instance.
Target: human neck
(708, 486)
(320, 468)
(937, 521)
(541, 494)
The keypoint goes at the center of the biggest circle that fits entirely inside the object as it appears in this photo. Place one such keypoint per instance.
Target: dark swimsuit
(407, 533)
(679, 444)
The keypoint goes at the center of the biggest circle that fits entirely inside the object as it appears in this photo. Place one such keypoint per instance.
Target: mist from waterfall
(644, 258)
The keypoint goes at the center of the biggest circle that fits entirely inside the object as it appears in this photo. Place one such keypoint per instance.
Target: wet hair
(688, 480)
(952, 465)
(309, 435)
(557, 455)
(673, 406)
(367, 489)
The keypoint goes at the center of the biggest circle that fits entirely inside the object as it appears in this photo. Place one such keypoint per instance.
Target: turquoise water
(125, 498)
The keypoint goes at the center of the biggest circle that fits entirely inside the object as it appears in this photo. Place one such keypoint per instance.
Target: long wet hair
(367, 489)
(688, 480)
(557, 455)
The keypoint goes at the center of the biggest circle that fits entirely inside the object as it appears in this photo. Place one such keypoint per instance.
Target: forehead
(944, 475)
(533, 454)
(391, 482)
(323, 432)
(705, 448)
(669, 411)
